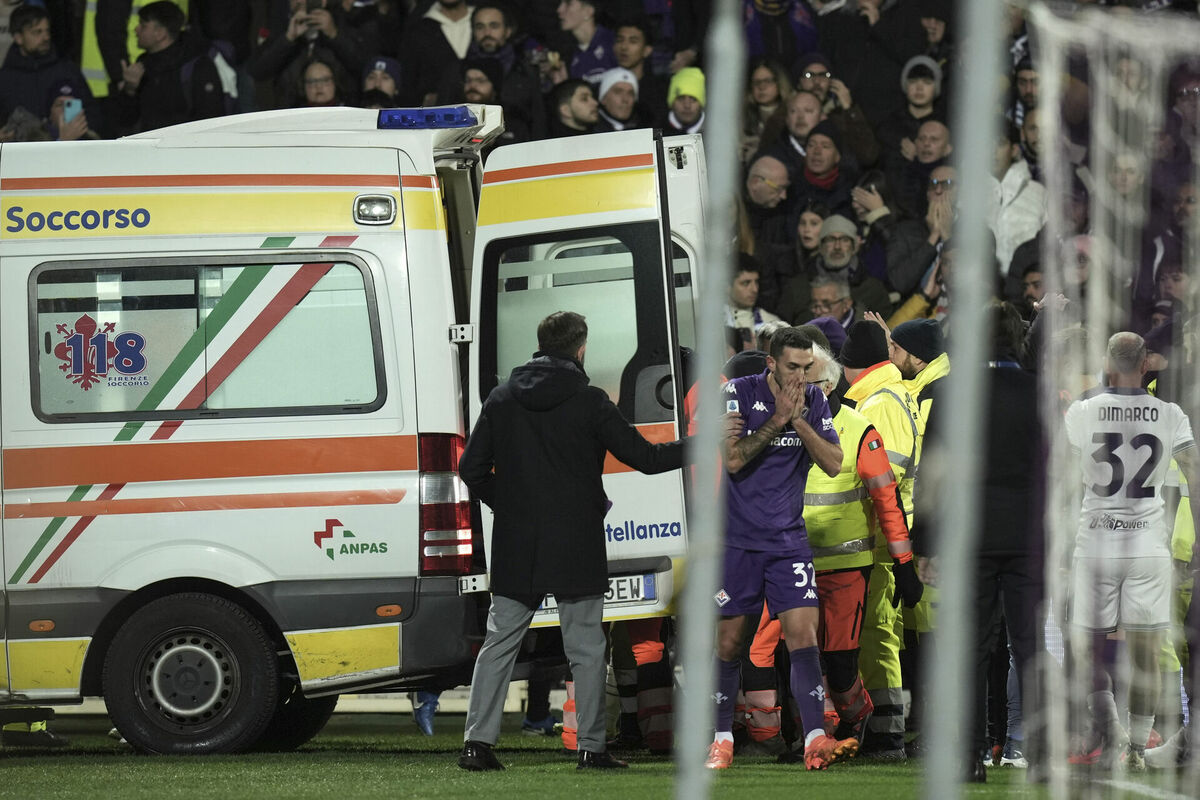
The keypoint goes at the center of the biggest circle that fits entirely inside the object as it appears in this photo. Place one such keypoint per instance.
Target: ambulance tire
(297, 719)
(191, 674)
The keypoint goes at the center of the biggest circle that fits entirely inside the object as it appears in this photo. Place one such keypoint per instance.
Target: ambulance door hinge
(461, 334)
(469, 584)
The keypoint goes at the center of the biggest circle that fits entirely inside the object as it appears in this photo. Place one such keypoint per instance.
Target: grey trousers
(583, 640)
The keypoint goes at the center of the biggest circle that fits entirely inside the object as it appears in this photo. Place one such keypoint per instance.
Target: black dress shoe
(478, 757)
(590, 760)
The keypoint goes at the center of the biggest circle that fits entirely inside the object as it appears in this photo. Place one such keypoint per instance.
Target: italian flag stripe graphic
(250, 308)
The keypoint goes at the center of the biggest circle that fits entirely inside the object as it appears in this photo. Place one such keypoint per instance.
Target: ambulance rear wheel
(190, 674)
(297, 719)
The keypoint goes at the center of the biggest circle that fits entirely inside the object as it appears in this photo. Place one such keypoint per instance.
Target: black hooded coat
(536, 458)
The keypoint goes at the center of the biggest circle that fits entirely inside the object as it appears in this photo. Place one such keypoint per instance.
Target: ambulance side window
(613, 277)
(146, 340)
(685, 302)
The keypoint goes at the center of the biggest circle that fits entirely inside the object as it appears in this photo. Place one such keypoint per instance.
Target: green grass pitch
(384, 756)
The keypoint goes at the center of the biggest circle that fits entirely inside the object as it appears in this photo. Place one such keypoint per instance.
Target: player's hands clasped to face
(789, 403)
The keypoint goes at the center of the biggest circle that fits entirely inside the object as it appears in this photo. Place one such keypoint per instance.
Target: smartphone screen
(71, 109)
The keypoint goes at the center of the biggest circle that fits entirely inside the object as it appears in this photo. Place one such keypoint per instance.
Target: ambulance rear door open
(581, 224)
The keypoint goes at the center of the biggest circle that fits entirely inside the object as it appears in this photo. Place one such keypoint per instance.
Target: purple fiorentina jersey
(592, 61)
(766, 497)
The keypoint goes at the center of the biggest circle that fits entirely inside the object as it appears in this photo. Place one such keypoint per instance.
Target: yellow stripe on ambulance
(148, 214)
(339, 655)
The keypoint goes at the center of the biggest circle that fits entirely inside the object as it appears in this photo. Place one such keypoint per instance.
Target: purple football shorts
(785, 580)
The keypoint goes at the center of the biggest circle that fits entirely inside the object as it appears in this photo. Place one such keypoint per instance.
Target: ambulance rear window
(613, 276)
(145, 341)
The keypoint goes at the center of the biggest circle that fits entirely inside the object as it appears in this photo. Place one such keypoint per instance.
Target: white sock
(724, 736)
(1139, 729)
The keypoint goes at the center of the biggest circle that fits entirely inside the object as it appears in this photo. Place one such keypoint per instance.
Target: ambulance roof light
(426, 118)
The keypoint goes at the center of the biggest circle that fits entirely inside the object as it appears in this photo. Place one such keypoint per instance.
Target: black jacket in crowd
(283, 62)
(536, 457)
(1012, 500)
(870, 58)
(28, 81)
(162, 99)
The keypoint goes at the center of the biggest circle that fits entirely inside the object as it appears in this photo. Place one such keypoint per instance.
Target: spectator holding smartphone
(316, 30)
(33, 70)
(68, 119)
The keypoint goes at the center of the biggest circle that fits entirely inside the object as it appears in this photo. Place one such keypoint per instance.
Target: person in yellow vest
(877, 391)
(844, 515)
(918, 350)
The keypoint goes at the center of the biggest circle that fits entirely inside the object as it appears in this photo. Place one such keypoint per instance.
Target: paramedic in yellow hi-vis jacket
(877, 392)
(844, 516)
(922, 365)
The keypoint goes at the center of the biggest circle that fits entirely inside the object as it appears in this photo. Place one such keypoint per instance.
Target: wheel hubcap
(190, 677)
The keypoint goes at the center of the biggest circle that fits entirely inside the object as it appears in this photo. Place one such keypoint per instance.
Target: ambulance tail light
(445, 543)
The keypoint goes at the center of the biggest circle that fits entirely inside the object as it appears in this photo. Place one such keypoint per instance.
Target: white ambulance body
(231, 403)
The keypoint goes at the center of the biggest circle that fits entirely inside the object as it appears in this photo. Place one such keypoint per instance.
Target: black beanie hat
(490, 67)
(826, 128)
(921, 337)
(866, 345)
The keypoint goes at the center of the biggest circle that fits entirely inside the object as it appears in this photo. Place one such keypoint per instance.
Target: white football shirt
(1125, 439)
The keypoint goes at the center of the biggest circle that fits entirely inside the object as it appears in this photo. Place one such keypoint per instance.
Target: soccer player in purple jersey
(788, 426)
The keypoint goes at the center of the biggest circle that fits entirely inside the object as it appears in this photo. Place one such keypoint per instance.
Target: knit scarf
(826, 182)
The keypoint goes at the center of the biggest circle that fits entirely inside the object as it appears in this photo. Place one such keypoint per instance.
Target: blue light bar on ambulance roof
(426, 118)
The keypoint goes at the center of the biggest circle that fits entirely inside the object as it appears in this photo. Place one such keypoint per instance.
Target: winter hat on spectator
(865, 346)
(816, 334)
(837, 225)
(826, 128)
(62, 88)
(937, 9)
(689, 81)
(831, 330)
(1168, 307)
(385, 64)
(490, 67)
(922, 67)
(612, 77)
(808, 59)
(921, 337)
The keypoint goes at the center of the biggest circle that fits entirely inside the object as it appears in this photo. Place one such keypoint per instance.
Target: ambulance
(239, 362)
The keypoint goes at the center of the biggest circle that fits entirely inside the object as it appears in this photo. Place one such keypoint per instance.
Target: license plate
(621, 589)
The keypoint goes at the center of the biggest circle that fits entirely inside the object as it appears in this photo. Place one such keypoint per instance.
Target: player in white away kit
(1122, 572)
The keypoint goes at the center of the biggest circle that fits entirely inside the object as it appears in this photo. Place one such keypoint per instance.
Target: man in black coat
(33, 68)
(1006, 577)
(536, 458)
(155, 92)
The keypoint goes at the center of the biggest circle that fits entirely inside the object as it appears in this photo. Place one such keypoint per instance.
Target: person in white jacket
(1018, 209)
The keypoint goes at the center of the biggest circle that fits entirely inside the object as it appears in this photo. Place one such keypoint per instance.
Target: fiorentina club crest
(91, 354)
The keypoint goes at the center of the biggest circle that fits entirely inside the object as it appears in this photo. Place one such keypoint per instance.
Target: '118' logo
(88, 354)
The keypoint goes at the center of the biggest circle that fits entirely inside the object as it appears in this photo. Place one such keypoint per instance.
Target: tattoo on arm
(742, 451)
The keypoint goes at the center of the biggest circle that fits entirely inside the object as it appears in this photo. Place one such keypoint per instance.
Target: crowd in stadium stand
(846, 215)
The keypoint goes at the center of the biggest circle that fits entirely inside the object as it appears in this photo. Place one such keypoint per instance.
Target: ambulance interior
(594, 274)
